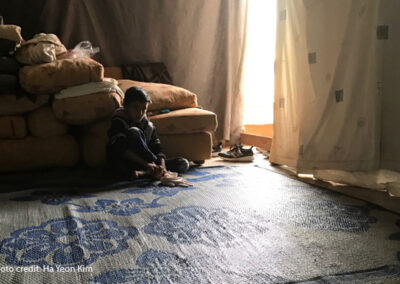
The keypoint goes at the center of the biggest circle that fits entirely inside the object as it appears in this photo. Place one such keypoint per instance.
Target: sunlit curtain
(332, 81)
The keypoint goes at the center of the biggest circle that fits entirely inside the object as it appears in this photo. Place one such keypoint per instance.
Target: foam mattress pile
(44, 92)
(56, 105)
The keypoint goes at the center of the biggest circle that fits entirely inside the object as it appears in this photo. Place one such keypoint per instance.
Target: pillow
(50, 78)
(11, 32)
(12, 127)
(43, 123)
(12, 105)
(86, 109)
(163, 96)
(42, 48)
(35, 153)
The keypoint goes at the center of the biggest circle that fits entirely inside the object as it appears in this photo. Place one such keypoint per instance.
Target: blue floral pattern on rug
(125, 207)
(52, 198)
(396, 237)
(232, 241)
(194, 176)
(195, 224)
(156, 266)
(159, 190)
(66, 241)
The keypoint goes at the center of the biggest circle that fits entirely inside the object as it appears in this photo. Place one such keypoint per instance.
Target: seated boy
(134, 149)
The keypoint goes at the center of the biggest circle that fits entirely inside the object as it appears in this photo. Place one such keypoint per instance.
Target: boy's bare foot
(140, 174)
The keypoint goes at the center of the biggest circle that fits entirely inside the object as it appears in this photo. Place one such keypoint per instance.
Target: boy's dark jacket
(118, 135)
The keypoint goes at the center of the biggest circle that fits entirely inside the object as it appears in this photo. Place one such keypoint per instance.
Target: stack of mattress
(46, 90)
(37, 109)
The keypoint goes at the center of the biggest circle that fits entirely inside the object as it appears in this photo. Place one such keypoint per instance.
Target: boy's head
(136, 102)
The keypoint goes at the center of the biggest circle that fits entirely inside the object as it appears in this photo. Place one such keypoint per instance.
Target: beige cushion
(98, 128)
(93, 149)
(194, 146)
(11, 105)
(50, 78)
(86, 109)
(11, 32)
(35, 153)
(188, 120)
(12, 127)
(163, 96)
(43, 123)
(42, 48)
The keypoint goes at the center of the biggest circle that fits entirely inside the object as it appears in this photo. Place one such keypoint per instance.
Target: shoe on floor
(238, 154)
(216, 149)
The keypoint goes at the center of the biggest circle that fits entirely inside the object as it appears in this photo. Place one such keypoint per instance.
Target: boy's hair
(134, 94)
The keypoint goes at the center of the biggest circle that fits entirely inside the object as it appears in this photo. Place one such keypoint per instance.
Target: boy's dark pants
(137, 144)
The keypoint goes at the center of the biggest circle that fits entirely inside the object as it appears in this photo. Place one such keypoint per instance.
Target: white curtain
(335, 90)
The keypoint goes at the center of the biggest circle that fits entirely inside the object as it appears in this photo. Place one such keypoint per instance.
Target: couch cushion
(193, 146)
(43, 123)
(42, 48)
(163, 96)
(12, 127)
(50, 78)
(35, 153)
(86, 109)
(188, 120)
(12, 105)
(11, 32)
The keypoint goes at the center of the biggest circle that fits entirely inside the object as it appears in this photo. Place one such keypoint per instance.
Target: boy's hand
(161, 162)
(151, 167)
(157, 172)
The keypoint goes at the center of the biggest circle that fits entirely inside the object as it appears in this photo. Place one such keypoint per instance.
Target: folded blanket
(42, 48)
(12, 105)
(51, 78)
(35, 153)
(12, 127)
(86, 109)
(7, 47)
(11, 32)
(8, 84)
(108, 85)
(9, 65)
(43, 123)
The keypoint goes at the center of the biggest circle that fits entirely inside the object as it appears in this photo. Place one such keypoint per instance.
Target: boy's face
(137, 110)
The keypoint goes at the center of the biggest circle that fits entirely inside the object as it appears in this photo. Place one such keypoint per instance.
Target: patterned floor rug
(237, 224)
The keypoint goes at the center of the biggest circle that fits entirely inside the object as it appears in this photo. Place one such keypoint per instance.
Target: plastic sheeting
(336, 103)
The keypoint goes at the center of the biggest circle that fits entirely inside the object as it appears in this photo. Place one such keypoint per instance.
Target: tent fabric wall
(200, 41)
(335, 88)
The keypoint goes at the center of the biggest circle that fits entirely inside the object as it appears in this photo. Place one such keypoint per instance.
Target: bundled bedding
(86, 109)
(12, 127)
(42, 48)
(43, 123)
(35, 153)
(11, 104)
(47, 90)
(51, 78)
(94, 142)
